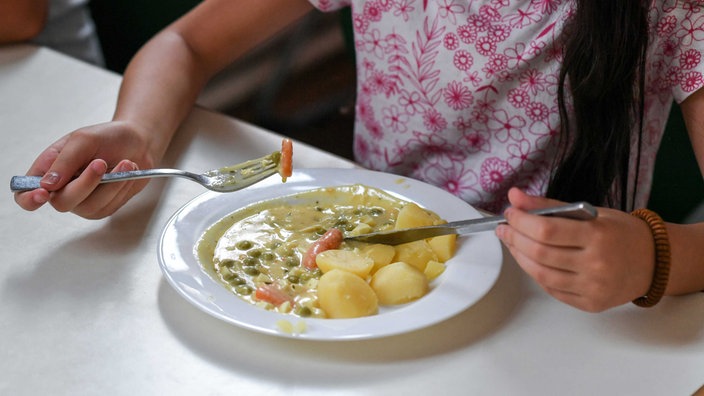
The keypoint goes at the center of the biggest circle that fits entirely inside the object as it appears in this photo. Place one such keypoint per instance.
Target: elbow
(29, 33)
(23, 26)
(32, 27)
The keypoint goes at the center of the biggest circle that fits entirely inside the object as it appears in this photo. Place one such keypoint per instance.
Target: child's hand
(72, 167)
(592, 265)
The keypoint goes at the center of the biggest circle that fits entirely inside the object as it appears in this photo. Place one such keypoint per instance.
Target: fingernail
(500, 232)
(508, 213)
(99, 166)
(126, 166)
(51, 178)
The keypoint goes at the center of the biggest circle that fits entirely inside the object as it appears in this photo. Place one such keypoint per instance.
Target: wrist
(148, 147)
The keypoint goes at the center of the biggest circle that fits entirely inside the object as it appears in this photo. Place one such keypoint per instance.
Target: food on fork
(286, 161)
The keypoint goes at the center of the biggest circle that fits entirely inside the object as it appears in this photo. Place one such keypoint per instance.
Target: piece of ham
(332, 239)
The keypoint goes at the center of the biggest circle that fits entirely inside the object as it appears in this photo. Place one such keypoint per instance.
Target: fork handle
(26, 183)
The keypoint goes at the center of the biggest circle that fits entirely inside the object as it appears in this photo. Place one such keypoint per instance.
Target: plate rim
(348, 329)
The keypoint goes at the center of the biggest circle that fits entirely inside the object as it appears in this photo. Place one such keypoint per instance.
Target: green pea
(308, 275)
(249, 262)
(293, 279)
(251, 271)
(291, 261)
(268, 256)
(243, 290)
(304, 312)
(376, 211)
(228, 263)
(244, 245)
(254, 253)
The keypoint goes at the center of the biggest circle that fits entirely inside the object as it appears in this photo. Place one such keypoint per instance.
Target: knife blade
(576, 210)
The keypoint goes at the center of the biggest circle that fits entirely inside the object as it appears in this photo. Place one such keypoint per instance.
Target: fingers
(568, 286)
(32, 200)
(77, 190)
(519, 199)
(592, 265)
(108, 197)
(84, 195)
(71, 156)
(71, 169)
(558, 256)
(548, 249)
(547, 230)
(552, 231)
(70, 195)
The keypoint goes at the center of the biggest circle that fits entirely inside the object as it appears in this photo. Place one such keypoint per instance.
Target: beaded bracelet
(662, 258)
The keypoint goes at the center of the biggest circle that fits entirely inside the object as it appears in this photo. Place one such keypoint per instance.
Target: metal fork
(226, 179)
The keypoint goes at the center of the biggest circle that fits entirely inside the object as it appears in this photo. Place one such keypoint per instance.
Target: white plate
(469, 275)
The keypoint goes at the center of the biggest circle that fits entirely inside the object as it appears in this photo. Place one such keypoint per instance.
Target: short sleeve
(329, 5)
(677, 47)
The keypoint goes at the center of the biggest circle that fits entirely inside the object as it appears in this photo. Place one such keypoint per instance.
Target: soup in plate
(288, 255)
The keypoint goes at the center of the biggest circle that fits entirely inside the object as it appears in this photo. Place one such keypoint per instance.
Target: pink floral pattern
(463, 93)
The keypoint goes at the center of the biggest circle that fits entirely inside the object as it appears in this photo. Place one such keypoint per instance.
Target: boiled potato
(416, 253)
(342, 294)
(412, 215)
(381, 255)
(444, 246)
(346, 260)
(433, 269)
(399, 283)
(361, 228)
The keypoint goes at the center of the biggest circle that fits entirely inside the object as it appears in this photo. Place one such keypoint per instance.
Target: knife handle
(576, 210)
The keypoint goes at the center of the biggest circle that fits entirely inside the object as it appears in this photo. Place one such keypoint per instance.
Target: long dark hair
(604, 58)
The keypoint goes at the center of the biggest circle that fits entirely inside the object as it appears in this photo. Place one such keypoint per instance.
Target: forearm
(164, 79)
(687, 258)
(158, 90)
(21, 20)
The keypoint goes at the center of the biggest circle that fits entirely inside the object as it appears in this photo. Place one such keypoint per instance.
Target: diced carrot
(286, 164)
(272, 294)
(332, 239)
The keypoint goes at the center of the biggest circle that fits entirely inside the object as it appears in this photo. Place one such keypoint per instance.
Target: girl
(500, 102)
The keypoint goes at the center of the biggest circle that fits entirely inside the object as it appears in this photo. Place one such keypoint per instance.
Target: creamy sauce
(264, 243)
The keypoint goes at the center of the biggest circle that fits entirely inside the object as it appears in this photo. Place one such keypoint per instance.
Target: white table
(84, 308)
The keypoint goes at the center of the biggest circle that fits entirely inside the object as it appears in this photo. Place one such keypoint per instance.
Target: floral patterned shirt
(463, 93)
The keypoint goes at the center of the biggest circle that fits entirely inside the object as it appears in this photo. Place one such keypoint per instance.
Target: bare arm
(21, 20)
(158, 91)
(163, 80)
